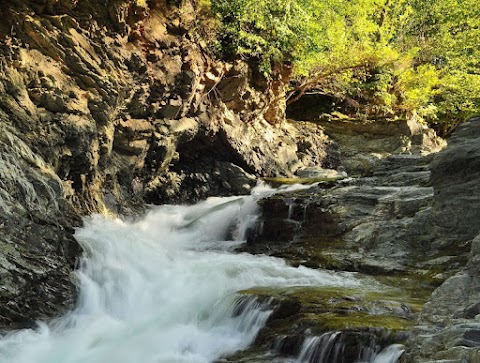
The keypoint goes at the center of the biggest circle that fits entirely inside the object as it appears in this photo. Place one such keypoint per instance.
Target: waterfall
(390, 354)
(329, 347)
(320, 348)
(164, 289)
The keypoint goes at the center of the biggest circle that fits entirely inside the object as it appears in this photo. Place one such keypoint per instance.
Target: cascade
(319, 349)
(165, 289)
(390, 354)
(329, 347)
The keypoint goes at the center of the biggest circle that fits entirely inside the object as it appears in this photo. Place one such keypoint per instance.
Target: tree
(447, 35)
(383, 57)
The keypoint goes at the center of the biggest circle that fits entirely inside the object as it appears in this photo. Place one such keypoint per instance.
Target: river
(163, 289)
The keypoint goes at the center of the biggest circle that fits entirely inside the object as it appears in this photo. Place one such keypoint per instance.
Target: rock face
(370, 223)
(448, 326)
(107, 105)
(455, 173)
(37, 249)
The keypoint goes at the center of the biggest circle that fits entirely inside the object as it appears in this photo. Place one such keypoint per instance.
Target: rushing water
(163, 289)
(318, 349)
(327, 348)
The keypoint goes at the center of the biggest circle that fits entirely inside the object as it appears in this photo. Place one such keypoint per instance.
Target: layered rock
(370, 223)
(448, 326)
(327, 324)
(363, 145)
(37, 249)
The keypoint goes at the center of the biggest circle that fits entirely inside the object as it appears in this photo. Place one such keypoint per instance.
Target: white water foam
(390, 354)
(163, 289)
(329, 347)
(319, 348)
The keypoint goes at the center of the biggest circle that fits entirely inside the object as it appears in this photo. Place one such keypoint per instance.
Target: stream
(165, 289)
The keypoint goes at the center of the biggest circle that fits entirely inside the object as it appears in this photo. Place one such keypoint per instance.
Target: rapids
(163, 289)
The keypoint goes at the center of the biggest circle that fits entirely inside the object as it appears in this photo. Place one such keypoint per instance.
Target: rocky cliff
(107, 106)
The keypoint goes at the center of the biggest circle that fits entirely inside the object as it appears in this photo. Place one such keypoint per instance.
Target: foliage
(447, 36)
(265, 31)
(381, 57)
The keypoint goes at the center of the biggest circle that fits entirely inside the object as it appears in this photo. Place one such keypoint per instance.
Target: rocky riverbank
(448, 327)
(410, 220)
(107, 106)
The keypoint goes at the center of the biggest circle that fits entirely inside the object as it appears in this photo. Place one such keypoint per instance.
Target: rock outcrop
(37, 249)
(362, 145)
(370, 223)
(448, 328)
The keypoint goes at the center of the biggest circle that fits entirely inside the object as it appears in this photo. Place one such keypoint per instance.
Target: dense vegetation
(376, 57)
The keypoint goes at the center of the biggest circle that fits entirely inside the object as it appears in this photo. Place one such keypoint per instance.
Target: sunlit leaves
(389, 56)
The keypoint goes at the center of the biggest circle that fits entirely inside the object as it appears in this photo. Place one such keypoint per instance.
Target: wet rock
(447, 325)
(408, 216)
(37, 248)
(356, 224)
(234, 177)
(384, 224)
(318, 323)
